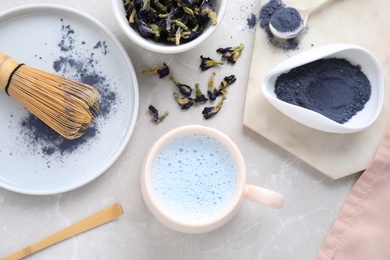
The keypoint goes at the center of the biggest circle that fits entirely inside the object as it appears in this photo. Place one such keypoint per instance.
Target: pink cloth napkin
(362, 228)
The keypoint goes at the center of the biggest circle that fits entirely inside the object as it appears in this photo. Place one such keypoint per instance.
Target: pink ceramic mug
(194, 178)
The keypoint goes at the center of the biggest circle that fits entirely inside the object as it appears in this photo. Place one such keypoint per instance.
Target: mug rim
(196, 226)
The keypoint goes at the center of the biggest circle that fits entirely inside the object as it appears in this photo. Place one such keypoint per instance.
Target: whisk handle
(7, 67)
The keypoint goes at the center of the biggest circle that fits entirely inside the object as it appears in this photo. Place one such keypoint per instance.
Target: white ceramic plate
(70, 43)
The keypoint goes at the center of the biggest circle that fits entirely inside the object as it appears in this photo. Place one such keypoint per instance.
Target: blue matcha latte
(194, 177)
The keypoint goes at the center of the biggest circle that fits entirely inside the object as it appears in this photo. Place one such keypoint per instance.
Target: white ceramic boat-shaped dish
(355, 55)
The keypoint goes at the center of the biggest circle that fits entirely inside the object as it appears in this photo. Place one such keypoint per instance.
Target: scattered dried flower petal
(226, 81)
(208, 63)
(184, 89)
(162, 71)
(211, 90)
(200, 98)
(184, 102)
(209, 112)
(231, 54)
(155, 116)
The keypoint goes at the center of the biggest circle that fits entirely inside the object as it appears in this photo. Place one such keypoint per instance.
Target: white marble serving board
(361, 22)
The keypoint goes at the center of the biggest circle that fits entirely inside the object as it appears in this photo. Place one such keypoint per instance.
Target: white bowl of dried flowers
(169, 26)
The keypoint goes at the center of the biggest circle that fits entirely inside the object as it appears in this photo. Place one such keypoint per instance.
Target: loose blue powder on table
(251, 21)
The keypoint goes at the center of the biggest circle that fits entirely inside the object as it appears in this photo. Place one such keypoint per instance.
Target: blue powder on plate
(332, 87)
(67, 39)
(81, 67)
(101, 45)
(49, 141)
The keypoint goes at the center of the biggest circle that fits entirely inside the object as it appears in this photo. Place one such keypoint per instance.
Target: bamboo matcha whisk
(67, 106)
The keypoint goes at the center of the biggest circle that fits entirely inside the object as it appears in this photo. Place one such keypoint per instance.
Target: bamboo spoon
(304, 13)
(95, 220)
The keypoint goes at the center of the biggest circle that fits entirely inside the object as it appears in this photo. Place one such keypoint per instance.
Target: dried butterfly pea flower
(143, 29)
(160, 6)
(209, 112)
(181, 36)
(184, 102)
(131, 11)
(211, 90)
(188, 11)
(157, 31)
(155, 116)
(231, 54)
(225, 82)
(170, 18)
(145, 5)
(207, 63)
(184, 89)
(207, 9)
(178, 35)
(200, 98)
(187, 36)
(162, 71)
(188, 3)
(180, 24)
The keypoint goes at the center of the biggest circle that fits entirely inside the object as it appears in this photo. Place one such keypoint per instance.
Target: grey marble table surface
(312, 200)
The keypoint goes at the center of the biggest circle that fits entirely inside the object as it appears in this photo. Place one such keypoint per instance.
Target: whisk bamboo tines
(67, 106)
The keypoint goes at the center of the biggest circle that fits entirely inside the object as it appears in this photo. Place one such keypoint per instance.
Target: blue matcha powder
(332, 87)
(194, 177)
(286, 20)
(267, 12)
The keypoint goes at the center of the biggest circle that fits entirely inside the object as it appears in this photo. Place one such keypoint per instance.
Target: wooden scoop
(95, 220)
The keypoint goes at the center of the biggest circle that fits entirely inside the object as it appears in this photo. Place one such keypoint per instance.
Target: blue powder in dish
(332, 87)
(194, 177)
